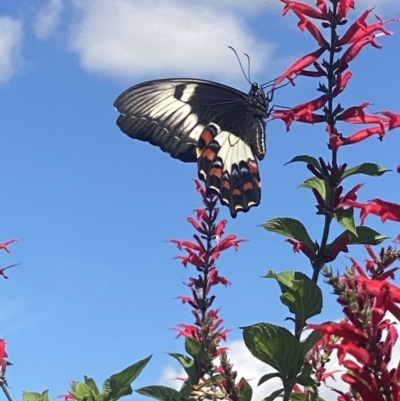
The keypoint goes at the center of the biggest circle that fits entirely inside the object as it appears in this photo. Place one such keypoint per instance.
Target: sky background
(96, 285)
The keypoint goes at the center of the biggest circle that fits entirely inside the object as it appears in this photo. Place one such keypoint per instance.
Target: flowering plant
(364, 339)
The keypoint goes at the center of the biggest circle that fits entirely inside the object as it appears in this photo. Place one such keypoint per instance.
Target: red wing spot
(217, 172)
(248, 186)
(208, 154)
(237, 192)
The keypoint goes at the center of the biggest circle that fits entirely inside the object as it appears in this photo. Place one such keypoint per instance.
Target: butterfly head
(258, 100)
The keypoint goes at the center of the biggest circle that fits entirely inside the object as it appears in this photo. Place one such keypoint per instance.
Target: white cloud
(126, 39)
(10, 47)
(47, 19)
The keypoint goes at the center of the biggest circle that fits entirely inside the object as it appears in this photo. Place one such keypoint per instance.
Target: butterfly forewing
(220, 127)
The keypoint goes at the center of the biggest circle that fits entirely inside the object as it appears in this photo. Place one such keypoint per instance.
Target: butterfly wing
(183, 116)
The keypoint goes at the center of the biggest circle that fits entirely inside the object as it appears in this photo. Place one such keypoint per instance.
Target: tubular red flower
(394, 119)
(3, 356)
(341, 82)
(342, 329)
(385, 210)
(343, 8)
(300, 64)
(354, 49)
(3, 245)
(300, 246)
(335, 141)
(340, 246)
(305, 23)
(306, 9)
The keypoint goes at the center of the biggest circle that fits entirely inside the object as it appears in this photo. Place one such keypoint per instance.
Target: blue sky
(94, 291)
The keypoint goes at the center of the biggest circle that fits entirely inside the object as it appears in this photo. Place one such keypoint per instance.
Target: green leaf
(119, 384)
(187, 364)
(267, 377)
(92, 384)
(275, 346)
(274, 395)
(371, 169)
(345, 217)
(186, 388)
(193, 347)
(306, 159)
(247, 391)
(161, 393)
(308, 343)
(33, 396)
(367, 236)
(299, 293)
(291, 228)
(318, 184)
(82, 392)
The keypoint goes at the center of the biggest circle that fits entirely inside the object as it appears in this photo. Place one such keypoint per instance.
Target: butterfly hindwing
(229, 169)
(220, 127)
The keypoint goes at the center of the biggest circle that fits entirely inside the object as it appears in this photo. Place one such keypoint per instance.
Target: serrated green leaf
(299, 293)
(188, 364)
(367, 236)
(306, 159)
(34, 396)
(308, 343)
(92, 384)
(247, 392)
(275, 346)
(161, 393)
(291, 228)
(345, 217)
(371, 169)
(318, 184)
(267, 377)
(305, 380)
(274, 395)
(119, 384)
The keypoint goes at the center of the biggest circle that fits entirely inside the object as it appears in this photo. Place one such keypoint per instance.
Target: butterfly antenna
(248, 67)
(240, 63)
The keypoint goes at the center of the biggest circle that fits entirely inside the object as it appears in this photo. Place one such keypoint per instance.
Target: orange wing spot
(207, 136)
(226, 184)
(209, 154)
(237, 192)
(248, 186)
(217, 172)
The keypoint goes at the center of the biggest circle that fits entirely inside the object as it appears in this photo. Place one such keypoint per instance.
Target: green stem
(4, 388)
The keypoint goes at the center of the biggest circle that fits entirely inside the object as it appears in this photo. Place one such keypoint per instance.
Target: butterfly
(219, 127)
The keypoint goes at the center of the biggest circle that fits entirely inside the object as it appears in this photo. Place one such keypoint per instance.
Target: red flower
(300, 246)
(335, 141)
(67, 396)
(3, 245)
(385, 210)
(394, 118)
(306, 9)
(2, 269)
(3, 356)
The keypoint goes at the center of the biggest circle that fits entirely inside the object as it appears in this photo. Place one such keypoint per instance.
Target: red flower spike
(300, 246)
(306, 9)
(305, 23)
(342, 329)
(353, 51)
(300, 64)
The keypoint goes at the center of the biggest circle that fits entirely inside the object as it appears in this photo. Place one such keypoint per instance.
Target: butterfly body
(221, 128)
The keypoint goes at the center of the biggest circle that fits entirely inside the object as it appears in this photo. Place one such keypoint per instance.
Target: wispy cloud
(10, 47)
(47, 19)
(126, 39)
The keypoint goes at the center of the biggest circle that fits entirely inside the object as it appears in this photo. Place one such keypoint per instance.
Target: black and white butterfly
(221, 128)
